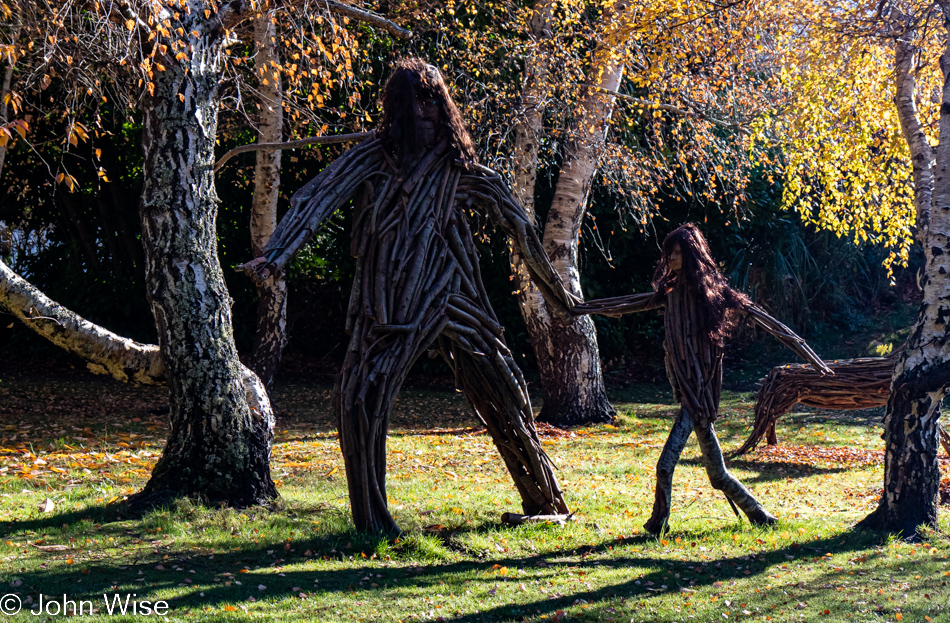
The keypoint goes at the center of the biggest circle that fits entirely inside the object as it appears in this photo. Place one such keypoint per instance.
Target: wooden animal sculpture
(700, 309)
(417, 283)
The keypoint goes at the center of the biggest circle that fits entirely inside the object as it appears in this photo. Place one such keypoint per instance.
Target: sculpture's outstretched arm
(487, 188)
(619, 305)
(786, 336)
(314, 203)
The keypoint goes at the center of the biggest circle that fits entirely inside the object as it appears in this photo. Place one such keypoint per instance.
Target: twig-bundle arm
(786, 336)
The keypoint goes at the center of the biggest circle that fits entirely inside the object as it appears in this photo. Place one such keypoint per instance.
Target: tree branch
(105, 352)
(656, 105)
(316, 140)
(369, 18)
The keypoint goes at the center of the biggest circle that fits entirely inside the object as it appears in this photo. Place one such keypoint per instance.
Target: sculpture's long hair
(718, 301)
(414, 78)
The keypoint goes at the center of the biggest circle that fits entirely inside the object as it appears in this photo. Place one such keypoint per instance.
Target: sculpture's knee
(718, 479)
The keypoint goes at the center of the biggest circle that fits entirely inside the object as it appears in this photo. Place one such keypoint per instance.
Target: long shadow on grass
(238, 575)
(651, 584)
(96, 514)
(769, 471)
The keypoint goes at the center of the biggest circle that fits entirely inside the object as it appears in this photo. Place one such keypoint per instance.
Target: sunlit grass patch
(62, 530)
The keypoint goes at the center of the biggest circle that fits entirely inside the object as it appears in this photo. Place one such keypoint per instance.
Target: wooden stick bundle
(857, 384)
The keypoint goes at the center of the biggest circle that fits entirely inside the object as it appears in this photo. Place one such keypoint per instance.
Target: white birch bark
(906, 56)
(568, 356)
(218, 447)
(270, 337)
(922, 373)
(103, 351)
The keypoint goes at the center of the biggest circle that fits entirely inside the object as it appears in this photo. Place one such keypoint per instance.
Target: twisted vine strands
(417, 283)
(694, 366)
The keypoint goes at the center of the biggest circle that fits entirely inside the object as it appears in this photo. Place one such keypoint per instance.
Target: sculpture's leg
(722, 480)
(375, 367)
(488, 376)
(670, 456)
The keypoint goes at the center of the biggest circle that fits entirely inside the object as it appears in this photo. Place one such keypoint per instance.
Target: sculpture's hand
(257, 269)
(562, 304)
(573, 300)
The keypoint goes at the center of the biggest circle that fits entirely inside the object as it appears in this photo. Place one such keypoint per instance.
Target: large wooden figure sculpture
(417, 282)
(700, 310)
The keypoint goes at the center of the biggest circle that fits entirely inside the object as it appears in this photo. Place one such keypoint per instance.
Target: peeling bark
(218, 444)
(270, 337)
(567, 354)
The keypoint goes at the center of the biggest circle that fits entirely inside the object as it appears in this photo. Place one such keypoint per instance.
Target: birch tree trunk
(568, 356)
(270, 337)
(906, 58)
(217, 448)
(922, 373)
(6, 87)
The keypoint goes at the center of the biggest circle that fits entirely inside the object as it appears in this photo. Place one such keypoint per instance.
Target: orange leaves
(809, 455)
(20, 126)
(76, 132)
(68, 180)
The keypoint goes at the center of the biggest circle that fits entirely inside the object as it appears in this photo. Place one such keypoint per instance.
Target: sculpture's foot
(658, 522)
(656, 525)
(761, 517)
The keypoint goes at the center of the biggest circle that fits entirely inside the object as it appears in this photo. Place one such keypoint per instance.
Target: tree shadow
(237, 575)
(104, 514)
(769, 471)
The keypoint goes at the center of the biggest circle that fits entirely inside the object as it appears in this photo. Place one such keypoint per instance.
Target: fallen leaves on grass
(547, 430)
(815, 455)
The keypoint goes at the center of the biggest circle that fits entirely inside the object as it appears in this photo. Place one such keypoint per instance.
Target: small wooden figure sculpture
(417, 283)
(700, 311)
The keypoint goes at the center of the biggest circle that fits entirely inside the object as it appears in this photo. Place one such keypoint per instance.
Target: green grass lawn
(70, 451)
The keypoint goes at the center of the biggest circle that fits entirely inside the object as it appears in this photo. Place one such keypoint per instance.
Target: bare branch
(317, 140)
(369, 18)
(669, 107)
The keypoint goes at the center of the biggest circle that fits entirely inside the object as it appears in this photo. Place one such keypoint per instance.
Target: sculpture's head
(418, 111)
(686, 261)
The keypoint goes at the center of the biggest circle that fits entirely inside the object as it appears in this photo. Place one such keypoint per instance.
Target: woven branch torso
(693, 361)
(412, 242)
